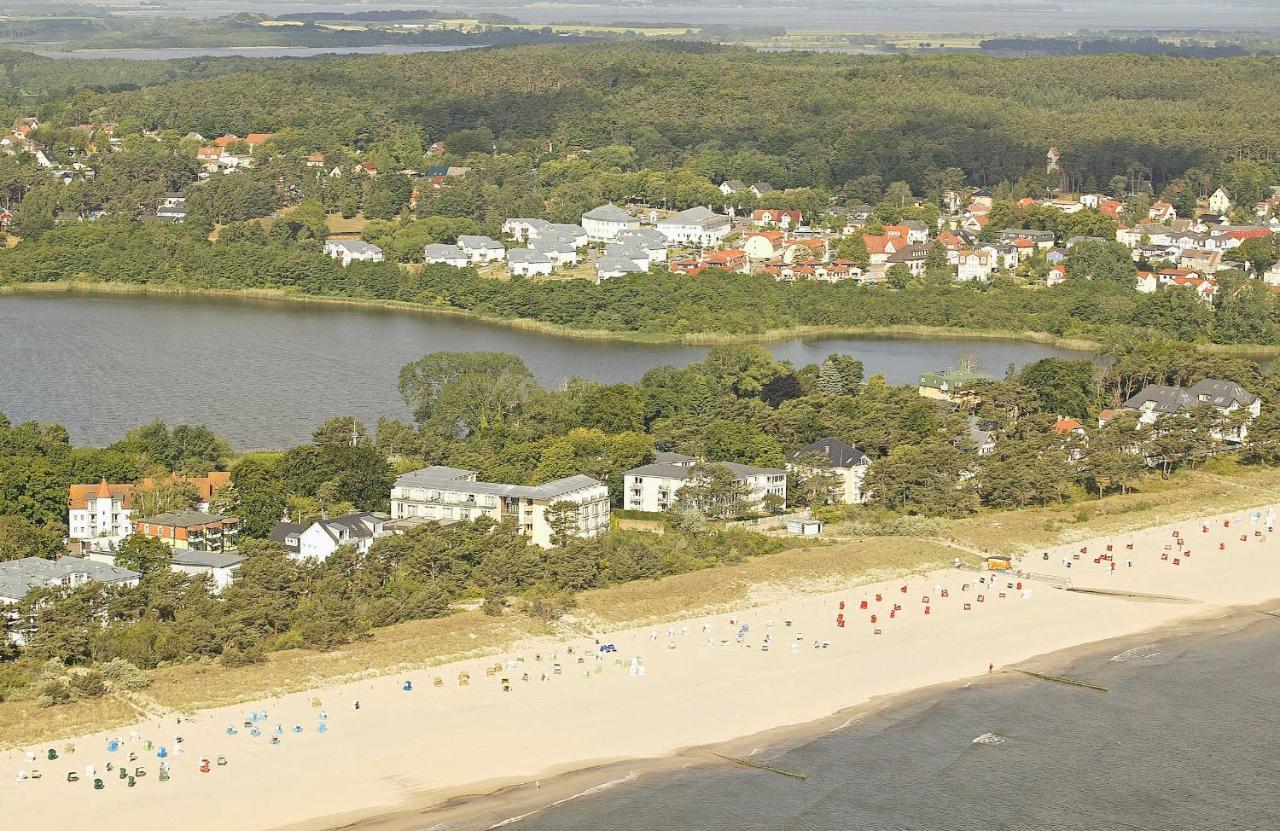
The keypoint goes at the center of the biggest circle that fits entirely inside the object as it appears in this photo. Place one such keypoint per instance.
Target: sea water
(1187, 737)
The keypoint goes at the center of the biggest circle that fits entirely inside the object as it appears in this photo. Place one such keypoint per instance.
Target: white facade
(101, 519)
(446, 494)
(438, 253)
(605, 223)
(695, 226)
(525, 262)
(656, 487)
(351, 250)
(846, 463)
(481, 249)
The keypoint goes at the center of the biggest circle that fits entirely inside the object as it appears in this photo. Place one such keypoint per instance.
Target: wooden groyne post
(1070, 681)
(759, 766)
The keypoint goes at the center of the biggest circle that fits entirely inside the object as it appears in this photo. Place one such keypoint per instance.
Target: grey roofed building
(697, 215)
(527, 256)
(476, 242)
(182, 519)
(1014, 234)
(643, 236)
(206, 559)
(608, 212)
(676, 471)
(441, 251)
(439, 476)
(620, 265)
(18, 577)
(762, 187)
(667, 457)
(355, 246)
(734, 185)
(915, 224)
(287, 533)
(908, 253)
(1164, 399)
(549, 245)
(838, 453)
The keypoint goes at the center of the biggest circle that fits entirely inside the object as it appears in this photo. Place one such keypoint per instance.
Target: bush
(53, 693)
(234, 656)
(125, 676)
(546, 602)
(90, 684)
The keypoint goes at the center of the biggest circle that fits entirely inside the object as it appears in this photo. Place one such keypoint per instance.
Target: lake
(264, 374)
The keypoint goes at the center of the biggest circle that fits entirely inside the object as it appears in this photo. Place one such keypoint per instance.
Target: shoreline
(541, 327)
(510, 803)
(408, 753)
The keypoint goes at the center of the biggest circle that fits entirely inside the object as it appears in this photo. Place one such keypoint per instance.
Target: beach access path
(404, 751)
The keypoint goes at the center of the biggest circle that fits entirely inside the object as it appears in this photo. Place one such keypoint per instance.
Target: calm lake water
(265, 374)
(1185, 740)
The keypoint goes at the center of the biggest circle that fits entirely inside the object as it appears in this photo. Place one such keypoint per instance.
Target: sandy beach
(690, 683)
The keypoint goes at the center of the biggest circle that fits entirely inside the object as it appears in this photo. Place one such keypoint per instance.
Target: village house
(656, 487)
(1041, 239)
(975, 265)
(958, 386)
(605, 223)
(353, 250)
(980, 438)
(481, 249)
(607, 268)
(695, 226)
(98, 515)
(880, 247)
(437, 253)
(651, 242)
(1057, 275)
(527, 262)
(445, 493)
(759, 189)
(219, 566)
(848, 463)
(912, 256)
(559, 251)
(913, 231)
(731, 186)
(624, 251)
(763, 245)
(1220, 201)
(762, 218)
(323, 537)
(1155, 401)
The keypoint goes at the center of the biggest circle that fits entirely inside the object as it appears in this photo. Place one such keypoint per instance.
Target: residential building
(782, 219)
(437, 253)
(481, 249)
(353, 250)
(981, 439)
(323, 537)
(731, 186)
(219, 566)
(98, 515)
(194, 530)
(560, 251)
(656, 487)
(605, 223)
(848, 463)
(446, 493)
(695, 226)
(527, 262)
(608, 268)
(1220, 201)
(173, 207)
(954, 385)
(19, 577)
(652, 242)
(1042, 239)
(975, 265)
(763, 245)
(912, 256)
(1155, 401)
(761, 188)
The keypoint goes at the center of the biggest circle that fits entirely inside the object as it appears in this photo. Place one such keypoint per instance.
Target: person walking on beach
(991, 667)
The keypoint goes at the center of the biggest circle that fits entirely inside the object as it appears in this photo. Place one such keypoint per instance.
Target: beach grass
(25, 722)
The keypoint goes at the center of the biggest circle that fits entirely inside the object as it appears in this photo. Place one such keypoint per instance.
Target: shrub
(124, 675)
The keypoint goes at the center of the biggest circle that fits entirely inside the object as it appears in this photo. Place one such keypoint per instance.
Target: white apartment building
(481, 249)
(98, 515)
(695, 226)
(323, 537)
(447, 494)
(605, 223)
(656, 487)
(846, 462)
(353, 250)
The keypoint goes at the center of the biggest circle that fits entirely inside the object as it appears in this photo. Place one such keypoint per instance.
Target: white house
(527, 262)
(1220, 201)
(608, 268)
(438, 253)
(445, 494)
(605, 223)
(353, 250)
(481, 249)
(652, 242)
(523, 228)
(695, 226)
(975, 265)
(627, 251)
(560, 251)
(321, 538)
(656, 487)
(19, 577)
(848, 463)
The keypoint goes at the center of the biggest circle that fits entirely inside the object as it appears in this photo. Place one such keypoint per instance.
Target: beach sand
(401, 753)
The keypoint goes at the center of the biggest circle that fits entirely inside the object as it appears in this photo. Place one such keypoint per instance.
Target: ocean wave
(595, 789)
(1146, 650)
(990, 738)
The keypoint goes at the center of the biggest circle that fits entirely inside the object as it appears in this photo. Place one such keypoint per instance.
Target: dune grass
(24, 723)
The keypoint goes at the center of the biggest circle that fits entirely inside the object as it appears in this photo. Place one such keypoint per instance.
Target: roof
(206, 559)
(78, 495)
(670, 471)
(838, 453)
(1163, 398)
(446, 478)
(440, 249)
(475, 241)
(186, 519)
(696, 216)
(669, 458)
(17, 577)
(954, 379)
(527, 256)
(908, 253)
(204, 485)
(284, 530)
(1067, 425)
(608, 212)
(616, 264)
(354, 246)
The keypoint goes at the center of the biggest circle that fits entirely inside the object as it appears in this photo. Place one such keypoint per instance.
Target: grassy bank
(543, 328)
